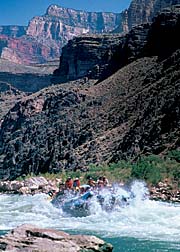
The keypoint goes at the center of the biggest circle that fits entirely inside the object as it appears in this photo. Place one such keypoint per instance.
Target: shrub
(174, 154)
(147, 169)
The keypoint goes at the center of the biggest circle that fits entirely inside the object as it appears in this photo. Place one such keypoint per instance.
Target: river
(142, 226)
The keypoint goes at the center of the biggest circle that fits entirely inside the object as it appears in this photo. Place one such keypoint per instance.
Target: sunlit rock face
(57, 19)
(24, 50)
(45, 35)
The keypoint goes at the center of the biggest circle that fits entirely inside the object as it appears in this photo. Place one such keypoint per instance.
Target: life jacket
(69, 184)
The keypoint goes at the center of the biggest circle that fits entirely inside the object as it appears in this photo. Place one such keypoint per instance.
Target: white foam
(142, 218)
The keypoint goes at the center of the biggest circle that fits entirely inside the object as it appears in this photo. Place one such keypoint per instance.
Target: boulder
(35, 182)
(31, 238)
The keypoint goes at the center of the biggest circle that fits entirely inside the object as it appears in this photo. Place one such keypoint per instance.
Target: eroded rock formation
(45, 36)
(9, 96)
(25, 50)
(86, 56)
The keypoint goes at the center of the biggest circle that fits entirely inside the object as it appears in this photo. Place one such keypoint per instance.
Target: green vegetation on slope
(151, 169)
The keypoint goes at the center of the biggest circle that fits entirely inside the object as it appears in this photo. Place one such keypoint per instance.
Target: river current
(142, 226)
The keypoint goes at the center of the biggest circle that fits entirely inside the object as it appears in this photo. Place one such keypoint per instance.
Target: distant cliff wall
(46, 35)
(51, 31)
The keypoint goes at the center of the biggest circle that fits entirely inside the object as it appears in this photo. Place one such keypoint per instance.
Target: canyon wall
(45, 35)
(136, 111)
(51, 31)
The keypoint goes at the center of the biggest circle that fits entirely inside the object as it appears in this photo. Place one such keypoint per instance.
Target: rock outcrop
(99, 56)
(31, 238)
(86, 56)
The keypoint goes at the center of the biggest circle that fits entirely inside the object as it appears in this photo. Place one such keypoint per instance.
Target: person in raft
(69, 183)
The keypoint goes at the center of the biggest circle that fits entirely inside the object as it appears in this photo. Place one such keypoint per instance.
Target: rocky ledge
(31, 238)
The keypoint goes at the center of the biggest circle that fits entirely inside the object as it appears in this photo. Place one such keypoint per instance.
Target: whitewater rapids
(142, 218)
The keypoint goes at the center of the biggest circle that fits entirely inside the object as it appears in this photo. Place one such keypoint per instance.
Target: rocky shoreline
(29, 186)
(163, 191)
(31, 238)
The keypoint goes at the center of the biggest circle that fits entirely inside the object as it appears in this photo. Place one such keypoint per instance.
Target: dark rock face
(31, 238)
(54, 113)
(133, 112)
(142, 12)
(86, 56)
(8, 98)
(162, 37)
(99, 56)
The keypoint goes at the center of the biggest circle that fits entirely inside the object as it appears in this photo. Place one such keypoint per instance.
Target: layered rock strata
(142, 12)
(25, 50)
(99, 56)
(86, 56)
(27, 78)
(47, 34)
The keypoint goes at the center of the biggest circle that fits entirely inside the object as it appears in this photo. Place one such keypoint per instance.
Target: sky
(20, 12)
